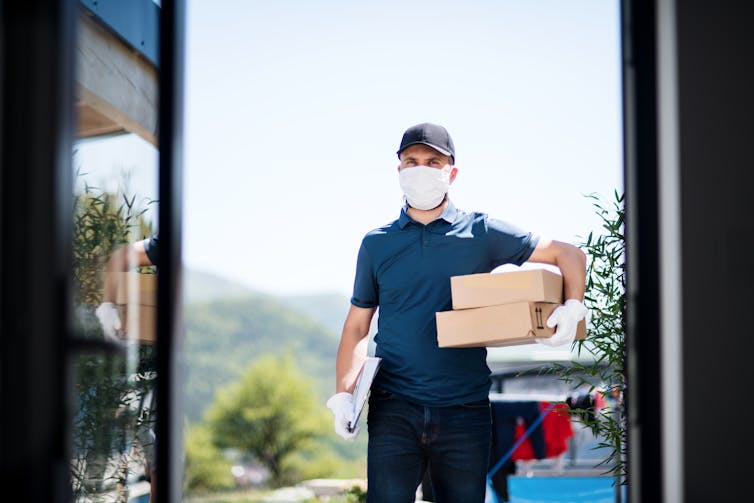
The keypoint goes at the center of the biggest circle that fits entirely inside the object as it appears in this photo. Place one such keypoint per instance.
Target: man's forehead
(423, 151)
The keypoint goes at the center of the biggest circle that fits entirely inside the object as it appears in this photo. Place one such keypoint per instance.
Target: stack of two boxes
(501, 309)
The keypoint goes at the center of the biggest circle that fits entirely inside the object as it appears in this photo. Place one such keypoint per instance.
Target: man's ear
(453, 173)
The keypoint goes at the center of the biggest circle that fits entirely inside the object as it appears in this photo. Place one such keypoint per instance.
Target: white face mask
(424, 187)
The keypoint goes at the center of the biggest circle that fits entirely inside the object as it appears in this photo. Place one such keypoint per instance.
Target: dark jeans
(405, 439)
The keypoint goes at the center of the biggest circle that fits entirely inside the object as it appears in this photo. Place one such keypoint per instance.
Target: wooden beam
(117, 87)
(91, 122)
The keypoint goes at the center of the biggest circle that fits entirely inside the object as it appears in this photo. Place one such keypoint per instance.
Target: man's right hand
(108, 317)
(341, 405)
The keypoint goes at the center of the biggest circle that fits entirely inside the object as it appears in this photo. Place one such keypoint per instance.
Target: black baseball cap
(431, 135)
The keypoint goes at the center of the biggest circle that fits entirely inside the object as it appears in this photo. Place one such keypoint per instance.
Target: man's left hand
(566, 318)
(108, 316)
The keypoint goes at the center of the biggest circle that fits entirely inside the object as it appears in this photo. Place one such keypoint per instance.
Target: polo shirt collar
(449, 214)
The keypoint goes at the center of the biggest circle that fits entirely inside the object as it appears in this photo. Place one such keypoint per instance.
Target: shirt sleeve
(509, 244)
(365, 289)
(152, 248)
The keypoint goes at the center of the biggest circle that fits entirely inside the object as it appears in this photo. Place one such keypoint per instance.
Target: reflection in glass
(113, 417)
(115, 301)
(115, 216)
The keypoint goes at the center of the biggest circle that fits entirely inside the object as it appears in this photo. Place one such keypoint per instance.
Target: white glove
(566, 318)
(108, 317)
(341, 405)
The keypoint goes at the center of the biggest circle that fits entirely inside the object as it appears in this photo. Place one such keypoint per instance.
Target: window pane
(115, 244)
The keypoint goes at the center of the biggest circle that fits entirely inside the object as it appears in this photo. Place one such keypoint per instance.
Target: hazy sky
(294, 111)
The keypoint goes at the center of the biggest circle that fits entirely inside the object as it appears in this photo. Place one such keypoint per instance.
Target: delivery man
(139, 254)
(429, 406)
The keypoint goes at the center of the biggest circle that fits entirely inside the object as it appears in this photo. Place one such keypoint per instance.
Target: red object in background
(599, 399)
(525, 451)
(556, 427)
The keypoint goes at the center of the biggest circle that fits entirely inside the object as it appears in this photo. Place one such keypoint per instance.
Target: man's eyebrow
(413, 158)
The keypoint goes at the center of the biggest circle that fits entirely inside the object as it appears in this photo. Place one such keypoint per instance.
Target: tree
(270, 414)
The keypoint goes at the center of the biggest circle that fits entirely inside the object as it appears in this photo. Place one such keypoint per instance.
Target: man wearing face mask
(429, 406)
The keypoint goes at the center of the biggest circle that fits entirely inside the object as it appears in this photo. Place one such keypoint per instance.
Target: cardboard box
(489, 289)
(144, 318)
(501, 325)
(136, 300)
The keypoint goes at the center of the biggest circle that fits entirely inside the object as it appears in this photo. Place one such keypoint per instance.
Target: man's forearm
(572, 265)
(352, 352)
(118, 262)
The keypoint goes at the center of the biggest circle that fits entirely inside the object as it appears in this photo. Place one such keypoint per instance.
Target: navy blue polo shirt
(404, 268)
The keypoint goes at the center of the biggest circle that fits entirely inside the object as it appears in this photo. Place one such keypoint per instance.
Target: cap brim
(439, 149)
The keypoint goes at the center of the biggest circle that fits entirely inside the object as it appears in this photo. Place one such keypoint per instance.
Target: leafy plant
(606, 299)
(102, 222)
(112, 412)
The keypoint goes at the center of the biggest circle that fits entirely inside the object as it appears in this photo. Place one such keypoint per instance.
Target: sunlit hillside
(229, 326)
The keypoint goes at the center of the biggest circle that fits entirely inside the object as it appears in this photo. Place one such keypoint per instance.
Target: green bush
(206, 469)
(314, 462)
